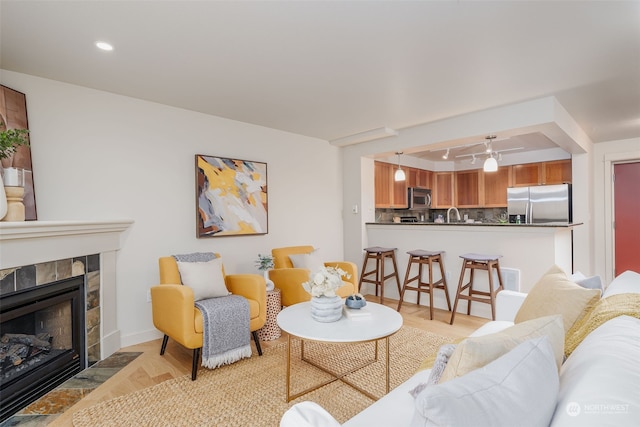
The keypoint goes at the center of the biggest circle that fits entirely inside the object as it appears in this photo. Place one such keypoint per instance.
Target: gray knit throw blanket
(225, 332)
(225, 323)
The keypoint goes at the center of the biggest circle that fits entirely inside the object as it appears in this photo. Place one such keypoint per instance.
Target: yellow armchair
(175, 315)
(289, 279)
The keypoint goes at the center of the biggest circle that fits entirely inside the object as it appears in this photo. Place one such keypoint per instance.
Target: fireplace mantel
(33, 242)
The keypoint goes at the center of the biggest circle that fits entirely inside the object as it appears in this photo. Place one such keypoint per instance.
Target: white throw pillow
(307, 414)
(599, 382)
(593, 282)
(310, 261)
(517, 389)
(626, 283)
(205, 278)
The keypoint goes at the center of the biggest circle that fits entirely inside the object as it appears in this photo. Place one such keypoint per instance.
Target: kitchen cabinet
(412, 177)
(526, 174)
(383, 183)
(557, 172)
(442, 192)
(465, 189)
(494, 188)
(467, 186)
(419, 178)
(542, 173)
(389, 193)
(400, 192)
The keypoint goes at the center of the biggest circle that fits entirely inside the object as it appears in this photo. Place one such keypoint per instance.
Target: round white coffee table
(372, 323)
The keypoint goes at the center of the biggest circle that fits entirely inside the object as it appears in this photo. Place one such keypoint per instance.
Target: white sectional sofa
(597, 385)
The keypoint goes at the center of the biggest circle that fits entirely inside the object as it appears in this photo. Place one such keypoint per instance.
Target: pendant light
(490, 165)
(399, 175)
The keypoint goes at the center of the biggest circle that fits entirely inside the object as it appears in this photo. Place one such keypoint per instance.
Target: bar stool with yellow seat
(473, 262)
(425, 258)
(379, 254)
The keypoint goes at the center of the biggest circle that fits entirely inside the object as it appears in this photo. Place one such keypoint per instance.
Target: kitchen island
(528, 251)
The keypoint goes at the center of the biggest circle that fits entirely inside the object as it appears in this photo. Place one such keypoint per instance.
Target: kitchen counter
(475, 224)
(527, 250)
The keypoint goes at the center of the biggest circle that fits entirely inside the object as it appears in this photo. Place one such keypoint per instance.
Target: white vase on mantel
(13, 189)
(3, 199)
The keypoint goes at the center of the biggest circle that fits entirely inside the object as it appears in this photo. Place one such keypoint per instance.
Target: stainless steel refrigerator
(540, 204)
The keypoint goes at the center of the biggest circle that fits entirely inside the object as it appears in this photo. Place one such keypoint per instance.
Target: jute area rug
(252, 392)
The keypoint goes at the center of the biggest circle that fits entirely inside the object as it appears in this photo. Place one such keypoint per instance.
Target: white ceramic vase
(3, 199)
(326, 309)
(268, 281)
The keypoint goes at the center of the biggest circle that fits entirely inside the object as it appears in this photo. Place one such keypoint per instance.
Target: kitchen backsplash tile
(477, 214)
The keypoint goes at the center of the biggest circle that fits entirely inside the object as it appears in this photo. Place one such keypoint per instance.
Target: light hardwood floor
(150, 368)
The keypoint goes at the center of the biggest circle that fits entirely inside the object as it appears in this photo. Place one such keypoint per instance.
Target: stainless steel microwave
(419, 198)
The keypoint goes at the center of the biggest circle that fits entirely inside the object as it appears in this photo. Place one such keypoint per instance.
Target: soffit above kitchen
(332, 69)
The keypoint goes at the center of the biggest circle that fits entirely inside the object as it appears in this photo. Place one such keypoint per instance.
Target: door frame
(610, 160)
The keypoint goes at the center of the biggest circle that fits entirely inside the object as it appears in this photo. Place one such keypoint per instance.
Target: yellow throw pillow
(556, 294)
(476, 352)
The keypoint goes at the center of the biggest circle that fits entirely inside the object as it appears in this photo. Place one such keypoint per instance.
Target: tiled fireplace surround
(35, 253)
(33, 275)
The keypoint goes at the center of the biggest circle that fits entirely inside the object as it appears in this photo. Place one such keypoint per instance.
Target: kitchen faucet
(457, 213)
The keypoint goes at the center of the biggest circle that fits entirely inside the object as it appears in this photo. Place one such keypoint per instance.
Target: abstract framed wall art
(231, 197)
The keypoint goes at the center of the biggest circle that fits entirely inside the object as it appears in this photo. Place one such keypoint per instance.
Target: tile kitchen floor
(51, 405)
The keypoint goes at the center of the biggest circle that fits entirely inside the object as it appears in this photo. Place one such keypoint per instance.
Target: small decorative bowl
(355, 301)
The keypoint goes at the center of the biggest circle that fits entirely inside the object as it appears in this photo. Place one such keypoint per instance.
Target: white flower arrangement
(325, 281)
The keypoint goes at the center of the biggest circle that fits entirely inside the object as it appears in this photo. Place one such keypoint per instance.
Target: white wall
(97, 155)
(605, 156)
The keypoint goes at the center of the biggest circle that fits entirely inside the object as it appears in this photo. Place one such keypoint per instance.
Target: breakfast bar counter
(527, 252)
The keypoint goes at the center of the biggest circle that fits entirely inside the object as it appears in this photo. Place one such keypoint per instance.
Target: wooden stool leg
(492, 296)
(471, 274)
(455, 304)
(404, 285)
(381, 280)
(364, 268)
(395, 270)
(444, 282)
(419, 285)
(497, 267)
(430, 264)
(493, 291)
(378, 272)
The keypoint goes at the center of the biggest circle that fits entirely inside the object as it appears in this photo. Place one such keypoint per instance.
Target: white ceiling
(329, 69)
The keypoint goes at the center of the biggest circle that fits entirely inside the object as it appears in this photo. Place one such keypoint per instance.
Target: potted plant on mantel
(10, 140)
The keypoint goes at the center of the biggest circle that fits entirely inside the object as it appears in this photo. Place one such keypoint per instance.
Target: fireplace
(35, 255)
(42, 341)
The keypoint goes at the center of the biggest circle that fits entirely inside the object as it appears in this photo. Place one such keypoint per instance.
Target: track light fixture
(399, 175)
(490, 165)
(473, 159)
(446, 155)
(489, 139)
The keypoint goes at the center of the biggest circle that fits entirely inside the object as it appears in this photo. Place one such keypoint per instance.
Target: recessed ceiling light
(104, 46)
